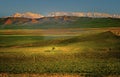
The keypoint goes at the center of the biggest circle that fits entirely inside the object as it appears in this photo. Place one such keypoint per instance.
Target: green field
(90, 53)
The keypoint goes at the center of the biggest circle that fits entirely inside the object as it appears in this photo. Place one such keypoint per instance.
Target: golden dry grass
(44, 32)
(48, 75)
(39, 75)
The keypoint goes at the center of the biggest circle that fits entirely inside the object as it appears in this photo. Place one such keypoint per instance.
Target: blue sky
(8, 7)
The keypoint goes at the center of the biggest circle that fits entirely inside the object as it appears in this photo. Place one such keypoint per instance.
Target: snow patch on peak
(27, 15)
(84, 14)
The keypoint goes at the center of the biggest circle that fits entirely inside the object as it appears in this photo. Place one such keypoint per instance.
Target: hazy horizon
(8, 7)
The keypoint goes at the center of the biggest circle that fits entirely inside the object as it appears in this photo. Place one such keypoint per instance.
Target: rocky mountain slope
(57, 22)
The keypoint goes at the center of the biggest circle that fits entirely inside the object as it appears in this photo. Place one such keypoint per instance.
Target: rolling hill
(99, 45)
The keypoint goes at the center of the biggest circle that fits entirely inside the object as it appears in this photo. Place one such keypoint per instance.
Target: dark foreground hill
(58, 22)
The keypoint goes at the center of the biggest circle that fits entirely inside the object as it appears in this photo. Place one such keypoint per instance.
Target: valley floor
(57, 32)
(87, 52)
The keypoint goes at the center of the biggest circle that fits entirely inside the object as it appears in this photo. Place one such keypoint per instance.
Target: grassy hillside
(95, 54)
(61, 22)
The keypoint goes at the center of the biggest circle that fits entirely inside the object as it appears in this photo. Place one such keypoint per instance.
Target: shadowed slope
(95, 37)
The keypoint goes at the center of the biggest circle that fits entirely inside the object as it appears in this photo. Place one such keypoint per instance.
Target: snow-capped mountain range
(83, 14)
(77, 14)
(27, 15)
